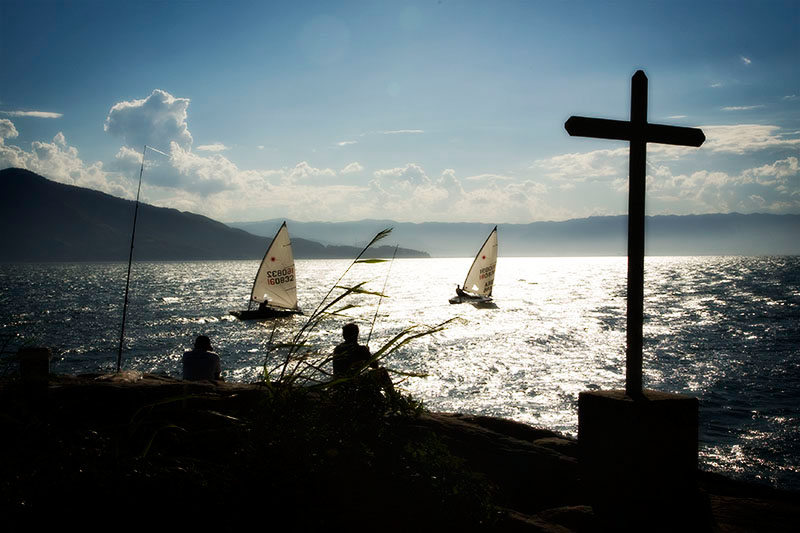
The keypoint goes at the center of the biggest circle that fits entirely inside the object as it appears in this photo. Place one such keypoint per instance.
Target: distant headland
(47, 221)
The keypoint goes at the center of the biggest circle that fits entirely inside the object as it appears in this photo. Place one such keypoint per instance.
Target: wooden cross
(639, 133)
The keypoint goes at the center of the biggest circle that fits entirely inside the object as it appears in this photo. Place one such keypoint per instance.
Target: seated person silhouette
(201, 363)
(350, 357)
(461, 292)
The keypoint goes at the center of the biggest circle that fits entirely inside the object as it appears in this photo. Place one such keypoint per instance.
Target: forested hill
(42, 220)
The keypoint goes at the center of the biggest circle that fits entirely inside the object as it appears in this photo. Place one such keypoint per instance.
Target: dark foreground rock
(81, 448)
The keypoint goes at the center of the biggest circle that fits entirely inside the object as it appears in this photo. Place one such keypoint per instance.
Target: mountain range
(42, 220)
(717, 234)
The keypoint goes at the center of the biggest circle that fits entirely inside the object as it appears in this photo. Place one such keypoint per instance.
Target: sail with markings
(275, 282)
(480, 277)
(275, 286)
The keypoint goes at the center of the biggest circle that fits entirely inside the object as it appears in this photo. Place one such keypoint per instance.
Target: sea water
(723, 329)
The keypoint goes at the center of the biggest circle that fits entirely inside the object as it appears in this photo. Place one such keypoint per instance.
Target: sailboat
(275, 287)
(480, 277)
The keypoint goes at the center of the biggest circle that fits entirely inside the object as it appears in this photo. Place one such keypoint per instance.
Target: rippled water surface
(725, 329)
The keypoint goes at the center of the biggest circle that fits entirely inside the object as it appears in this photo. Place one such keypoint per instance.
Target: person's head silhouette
(203, 343)
(350, 332)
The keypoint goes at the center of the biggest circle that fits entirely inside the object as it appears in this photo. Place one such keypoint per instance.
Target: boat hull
(470, 300)
(257, 314)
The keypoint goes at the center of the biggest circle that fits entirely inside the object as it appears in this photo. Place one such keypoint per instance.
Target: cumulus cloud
(59, 161)
(597, 164)
(742, 138)
(7, 130)
(158, 120)
(215, 147)
(410, 193)
(34, 114)
(779, 174)
(772, 188)
(352, 168)
(410, 174)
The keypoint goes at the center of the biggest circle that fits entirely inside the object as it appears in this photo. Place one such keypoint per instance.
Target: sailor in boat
(202, 363)
(460, 292)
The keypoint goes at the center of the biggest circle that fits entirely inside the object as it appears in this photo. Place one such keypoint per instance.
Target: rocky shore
(77, 447)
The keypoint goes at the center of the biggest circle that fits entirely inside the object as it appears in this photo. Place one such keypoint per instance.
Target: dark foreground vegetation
(78, 448)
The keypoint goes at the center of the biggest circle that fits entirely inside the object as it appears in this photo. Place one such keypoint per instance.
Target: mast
(130, 261)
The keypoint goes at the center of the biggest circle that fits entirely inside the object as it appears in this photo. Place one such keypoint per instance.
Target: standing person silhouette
(202, 363)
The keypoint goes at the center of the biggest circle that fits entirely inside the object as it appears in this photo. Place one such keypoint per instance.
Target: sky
(442, 110)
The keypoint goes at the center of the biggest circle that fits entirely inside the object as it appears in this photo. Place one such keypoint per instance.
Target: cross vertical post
(636, 190)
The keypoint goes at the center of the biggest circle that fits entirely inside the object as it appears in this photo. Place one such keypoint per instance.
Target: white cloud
(60, 162)
(352, 168)
(400, 132)
(746, 60)
(771, 188)
(410, 173)
(779, 174)
(158, 120)
(346, 143)
(742, 107)
(598, 164)
(790, 97)
(716, 85)
(675, 117)
(7, 130)
(303, 172)
(215, 147)
(34, 114)
(742, 138)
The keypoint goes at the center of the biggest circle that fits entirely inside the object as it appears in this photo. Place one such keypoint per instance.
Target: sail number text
(276, 277)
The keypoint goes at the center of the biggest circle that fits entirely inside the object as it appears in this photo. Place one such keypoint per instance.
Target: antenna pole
(130, 260)
(381, 296)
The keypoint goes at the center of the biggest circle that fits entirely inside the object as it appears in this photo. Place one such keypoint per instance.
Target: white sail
(480, 277)
(275, 282)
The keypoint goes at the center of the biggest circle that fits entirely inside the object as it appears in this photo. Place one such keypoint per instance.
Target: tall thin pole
(130, 261)
(380, 298)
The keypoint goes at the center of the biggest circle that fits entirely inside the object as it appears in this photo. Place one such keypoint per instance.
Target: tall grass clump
(299, 365)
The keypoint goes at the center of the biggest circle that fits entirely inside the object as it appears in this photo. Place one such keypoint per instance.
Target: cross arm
(599, 128)
(621, 130)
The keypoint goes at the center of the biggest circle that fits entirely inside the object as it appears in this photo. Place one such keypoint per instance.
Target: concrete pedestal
(638, 458)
